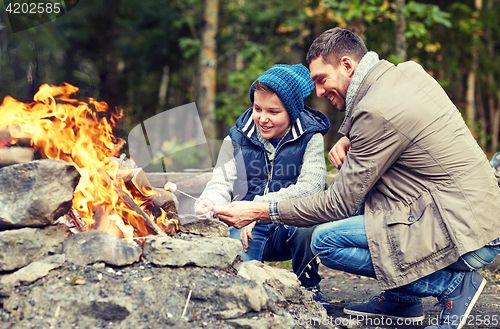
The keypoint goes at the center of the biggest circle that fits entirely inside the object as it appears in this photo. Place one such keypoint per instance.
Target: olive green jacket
(430, 193)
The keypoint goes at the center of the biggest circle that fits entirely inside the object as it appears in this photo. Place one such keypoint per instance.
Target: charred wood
(131, 203)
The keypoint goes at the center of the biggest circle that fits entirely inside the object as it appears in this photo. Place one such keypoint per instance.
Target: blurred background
(146, 57)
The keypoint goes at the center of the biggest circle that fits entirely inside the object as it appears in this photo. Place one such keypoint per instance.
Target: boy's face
(270, 115)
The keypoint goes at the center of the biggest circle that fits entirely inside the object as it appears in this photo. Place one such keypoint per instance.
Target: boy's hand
(204, 207)
(246, 234)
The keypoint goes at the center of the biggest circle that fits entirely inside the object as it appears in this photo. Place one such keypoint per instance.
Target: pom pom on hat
(291, 83)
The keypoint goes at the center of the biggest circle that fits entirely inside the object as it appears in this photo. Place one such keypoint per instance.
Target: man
(415, 203)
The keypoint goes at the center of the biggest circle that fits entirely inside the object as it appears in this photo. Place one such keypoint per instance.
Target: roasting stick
(192, 197)
(172, 187)
(188, 195)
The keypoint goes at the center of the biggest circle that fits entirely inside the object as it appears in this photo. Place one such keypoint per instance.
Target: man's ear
(349, 65)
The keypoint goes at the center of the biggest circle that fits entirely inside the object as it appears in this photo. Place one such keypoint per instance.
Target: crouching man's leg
(342, 245)
(457, 287)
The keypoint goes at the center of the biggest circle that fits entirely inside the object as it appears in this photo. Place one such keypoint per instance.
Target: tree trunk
(494, 111)
(325, 107)
(163, 90)
(208, 69)
(470, 110)
(483, 132)
(495, 123)
(399, 31)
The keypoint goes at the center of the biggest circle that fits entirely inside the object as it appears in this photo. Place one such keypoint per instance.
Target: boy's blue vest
(257, 174)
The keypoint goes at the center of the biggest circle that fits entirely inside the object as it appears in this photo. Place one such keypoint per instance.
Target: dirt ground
(342, 289)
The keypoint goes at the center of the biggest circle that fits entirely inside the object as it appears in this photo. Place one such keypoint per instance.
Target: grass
(286, 264)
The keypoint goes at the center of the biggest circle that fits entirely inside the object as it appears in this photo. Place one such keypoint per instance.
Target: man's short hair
(335, 43)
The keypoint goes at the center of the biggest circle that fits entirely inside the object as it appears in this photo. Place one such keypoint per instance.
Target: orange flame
(64, 128)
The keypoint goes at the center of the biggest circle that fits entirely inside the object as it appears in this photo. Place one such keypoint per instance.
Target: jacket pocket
(416, 233)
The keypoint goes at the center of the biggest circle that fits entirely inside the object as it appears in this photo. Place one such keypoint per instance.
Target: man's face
(331, 82)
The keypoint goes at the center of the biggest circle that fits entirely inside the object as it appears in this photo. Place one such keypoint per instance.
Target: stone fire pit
(52, 278)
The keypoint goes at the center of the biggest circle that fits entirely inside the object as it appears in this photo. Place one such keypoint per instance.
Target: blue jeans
(278, 243)
(342, 245)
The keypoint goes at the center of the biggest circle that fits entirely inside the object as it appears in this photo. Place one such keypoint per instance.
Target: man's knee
(317, 240)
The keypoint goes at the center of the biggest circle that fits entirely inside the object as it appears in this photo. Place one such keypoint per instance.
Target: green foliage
(286, 264)
(189, 47)
(253, 36)
(371, 10)
(423, 16)
(232, 104)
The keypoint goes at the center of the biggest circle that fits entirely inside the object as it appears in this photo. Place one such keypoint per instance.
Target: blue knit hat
(291, 83)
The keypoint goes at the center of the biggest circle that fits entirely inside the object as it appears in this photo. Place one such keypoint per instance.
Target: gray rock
(34, 194)
(34, 271)
(199, 251)
(283, 280)
(241, 299)
(96, 246)
(203, 226)
(272, 322)
(232, 299)
(20, 247)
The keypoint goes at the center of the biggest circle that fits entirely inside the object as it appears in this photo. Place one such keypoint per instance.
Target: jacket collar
(309, 120)
(373, 75)
(252, 132)
(369, 60)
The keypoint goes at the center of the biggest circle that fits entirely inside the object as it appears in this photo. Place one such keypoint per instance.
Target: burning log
(160, 198)
(131, 203)
(15, 155)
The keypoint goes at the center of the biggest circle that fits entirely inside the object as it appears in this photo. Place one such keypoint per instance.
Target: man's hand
(245, 234)
(242, 213)
(338, 152)
(204, 207)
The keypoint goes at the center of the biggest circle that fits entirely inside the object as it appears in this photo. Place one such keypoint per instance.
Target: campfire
(112, 195)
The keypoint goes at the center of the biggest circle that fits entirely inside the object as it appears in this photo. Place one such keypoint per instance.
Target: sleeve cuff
(273, 213)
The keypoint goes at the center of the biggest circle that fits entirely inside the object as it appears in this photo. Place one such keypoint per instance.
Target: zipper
(270, 172)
